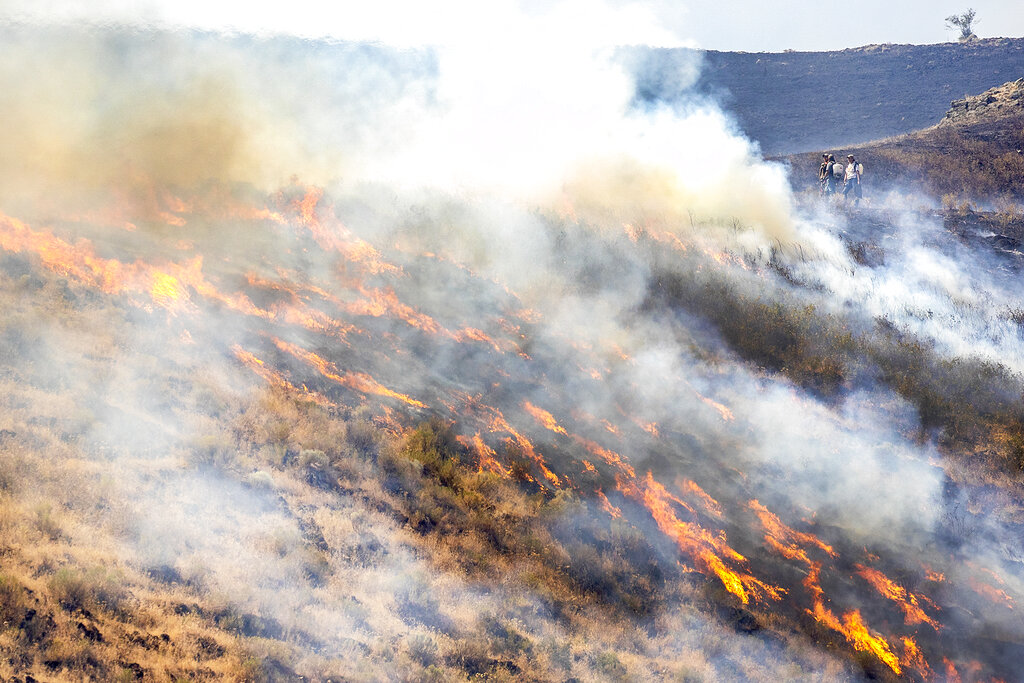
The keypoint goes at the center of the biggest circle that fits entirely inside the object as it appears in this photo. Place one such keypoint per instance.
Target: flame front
(359, 381)
(909, 602)
(709, 551)
(852, 626)
(363, 287)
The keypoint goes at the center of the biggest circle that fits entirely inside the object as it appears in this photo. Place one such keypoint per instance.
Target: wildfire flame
(359, 381)
(710, 552)
(545, 418)
(851, 626)
(909, 602)
(692, 519)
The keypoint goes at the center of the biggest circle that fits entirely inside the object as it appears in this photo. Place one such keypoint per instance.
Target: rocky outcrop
(1001, 101)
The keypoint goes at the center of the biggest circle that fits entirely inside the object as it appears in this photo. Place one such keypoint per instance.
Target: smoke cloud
(520, 190)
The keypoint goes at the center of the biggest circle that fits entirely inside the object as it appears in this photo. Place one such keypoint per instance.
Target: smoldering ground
(466, 197)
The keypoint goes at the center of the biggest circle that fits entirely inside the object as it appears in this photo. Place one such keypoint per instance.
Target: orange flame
(380, 303)
(710, 504)
(706, 549)
(726, 414)
(545, 418)
(498, 423)
(907, 601)
(607, 506)
(852, 627)
(485, 455)
(990, 592)
(359, 381)
(166, 290)
(785, 540)
(275, 378)
(471, 333)
(330, 234)
(167, 286)
(952, 676)
(914, 659)
(610, 457)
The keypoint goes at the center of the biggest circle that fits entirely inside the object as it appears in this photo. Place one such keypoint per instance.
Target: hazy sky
(751, 25)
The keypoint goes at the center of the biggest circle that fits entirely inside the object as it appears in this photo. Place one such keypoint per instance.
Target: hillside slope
(658, 423)
(799, 101)
(972, 156)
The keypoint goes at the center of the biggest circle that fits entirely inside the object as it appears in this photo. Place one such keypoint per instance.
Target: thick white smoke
(489, 127)
(530, 101)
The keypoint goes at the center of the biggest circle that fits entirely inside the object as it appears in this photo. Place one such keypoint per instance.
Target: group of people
(830, 173)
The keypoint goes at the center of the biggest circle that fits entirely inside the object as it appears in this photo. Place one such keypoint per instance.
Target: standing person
(830, 178)
(821, 173)
(852, 179)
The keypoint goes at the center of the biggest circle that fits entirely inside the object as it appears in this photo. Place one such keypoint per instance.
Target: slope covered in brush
(602, 404)
(974, 155)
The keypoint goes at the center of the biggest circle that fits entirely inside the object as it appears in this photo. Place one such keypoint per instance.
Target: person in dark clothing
(829, 186)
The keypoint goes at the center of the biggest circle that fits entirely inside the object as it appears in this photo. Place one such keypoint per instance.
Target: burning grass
(282, 499)
(371, 505)
(243, 441)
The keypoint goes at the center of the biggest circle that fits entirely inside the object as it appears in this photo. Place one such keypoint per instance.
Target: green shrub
(505, 639)
(422, 648)
(97, 588)
(212, 450)
(45, 522)
(12, 601)
(608, 663)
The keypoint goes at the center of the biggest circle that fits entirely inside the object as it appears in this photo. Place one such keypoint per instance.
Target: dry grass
(417, 566)
(968, 405)
(960, 167)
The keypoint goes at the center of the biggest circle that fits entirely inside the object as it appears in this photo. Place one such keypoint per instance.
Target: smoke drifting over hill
(610, 305)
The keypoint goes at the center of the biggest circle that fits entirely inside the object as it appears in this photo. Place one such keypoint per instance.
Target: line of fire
(358, 332)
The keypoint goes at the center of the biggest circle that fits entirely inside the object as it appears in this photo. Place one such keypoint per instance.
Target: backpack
(860, 168)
